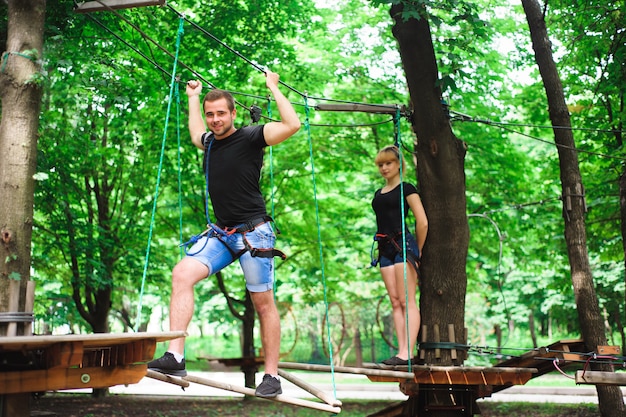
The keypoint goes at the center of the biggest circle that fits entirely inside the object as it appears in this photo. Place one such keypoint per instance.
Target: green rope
(307, 127)
(31, 55)
(398, 143)
(156, 192)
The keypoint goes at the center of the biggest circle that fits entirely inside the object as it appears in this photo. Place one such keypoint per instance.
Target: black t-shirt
(234, 172)
(387, 208)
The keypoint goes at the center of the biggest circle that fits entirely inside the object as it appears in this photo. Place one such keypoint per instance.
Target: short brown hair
(216, 94)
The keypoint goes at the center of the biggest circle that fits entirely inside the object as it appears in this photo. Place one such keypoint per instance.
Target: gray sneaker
(269, 388)
(167, 364)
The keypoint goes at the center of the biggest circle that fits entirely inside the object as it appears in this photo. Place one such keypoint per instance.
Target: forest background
(111, 209)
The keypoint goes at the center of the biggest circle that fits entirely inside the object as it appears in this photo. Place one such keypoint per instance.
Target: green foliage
(102, 123)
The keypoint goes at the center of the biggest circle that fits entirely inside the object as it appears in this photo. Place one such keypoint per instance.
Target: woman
(387, 206)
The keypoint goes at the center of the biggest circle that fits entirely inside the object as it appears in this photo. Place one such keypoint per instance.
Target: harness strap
(246, 227)
(411, 257)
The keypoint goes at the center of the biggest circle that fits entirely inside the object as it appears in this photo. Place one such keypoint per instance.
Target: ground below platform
(83, 405)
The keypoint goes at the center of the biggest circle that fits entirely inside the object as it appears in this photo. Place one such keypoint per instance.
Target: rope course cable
(159, 171)
(320, 245)
(455, 115)
(505, 126)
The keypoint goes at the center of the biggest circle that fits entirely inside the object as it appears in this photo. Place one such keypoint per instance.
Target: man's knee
(264, 302)
(188, 272)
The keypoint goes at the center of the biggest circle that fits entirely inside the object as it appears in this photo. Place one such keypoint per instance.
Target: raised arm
(421, 221)
(276, 132)
(196, 122)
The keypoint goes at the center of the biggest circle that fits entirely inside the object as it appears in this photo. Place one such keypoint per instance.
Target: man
(233, 161)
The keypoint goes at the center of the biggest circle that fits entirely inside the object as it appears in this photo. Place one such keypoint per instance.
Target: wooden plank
(436, 339)
(600, 378)
(137, 351)
(21, 343)
(346, 370)
(103, 5)
(14, 301)
(540, 358)
(167, 378)
(29, 303)
(365, 108)
(452, 339)
(328, 399)
(69, 378)
(64, 355)
(245, 361)
(249, 391)
(462, 375)
(609, 350)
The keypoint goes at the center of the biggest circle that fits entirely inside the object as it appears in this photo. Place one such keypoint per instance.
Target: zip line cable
(504, 126)
(211, 85)
(465, 118)
(456, 116)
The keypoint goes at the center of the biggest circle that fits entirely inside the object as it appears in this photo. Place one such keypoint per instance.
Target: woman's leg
(409, 312)
(389, 278)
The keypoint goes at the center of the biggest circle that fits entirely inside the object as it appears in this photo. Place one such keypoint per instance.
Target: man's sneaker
(167, 364)
(269, 388)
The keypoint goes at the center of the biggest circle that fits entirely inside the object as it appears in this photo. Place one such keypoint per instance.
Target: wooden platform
(48, 363)
(541, 358)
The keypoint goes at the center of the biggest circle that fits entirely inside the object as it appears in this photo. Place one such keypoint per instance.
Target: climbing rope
(398, 144)
(307, 128)
(160, 169)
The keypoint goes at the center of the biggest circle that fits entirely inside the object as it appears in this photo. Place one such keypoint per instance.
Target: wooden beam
(346, 370)
(69, 378)
(167, 378)
(364, 108)
(249, 391)
(104, 5)
(609, 350)
(600, 378)
(64, 355)
(328, 399)
(25, 343)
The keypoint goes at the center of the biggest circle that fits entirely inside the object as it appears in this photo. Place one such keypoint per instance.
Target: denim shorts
(258, 271)
(411, 246)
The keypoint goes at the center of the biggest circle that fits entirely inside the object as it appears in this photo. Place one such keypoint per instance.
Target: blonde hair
(387, 154)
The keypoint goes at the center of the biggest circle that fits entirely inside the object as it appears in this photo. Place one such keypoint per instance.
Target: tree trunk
(609, 397)
(21, 93)
(440, 173)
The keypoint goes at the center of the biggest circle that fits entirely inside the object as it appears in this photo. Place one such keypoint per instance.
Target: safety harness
(223, 233)
(387, 241)
(243, 229)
